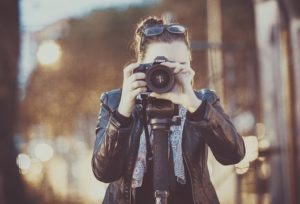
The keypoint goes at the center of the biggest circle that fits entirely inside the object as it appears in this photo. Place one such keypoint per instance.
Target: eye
(183, 63)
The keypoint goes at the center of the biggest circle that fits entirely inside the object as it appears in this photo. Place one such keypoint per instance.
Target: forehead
(174, 51)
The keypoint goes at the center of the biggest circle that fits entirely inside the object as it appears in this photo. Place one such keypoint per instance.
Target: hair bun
(152, 20)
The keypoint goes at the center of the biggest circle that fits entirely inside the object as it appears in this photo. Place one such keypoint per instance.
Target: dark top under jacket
(117, 142)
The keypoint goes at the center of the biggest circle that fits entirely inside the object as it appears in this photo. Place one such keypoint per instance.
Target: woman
(120, 152)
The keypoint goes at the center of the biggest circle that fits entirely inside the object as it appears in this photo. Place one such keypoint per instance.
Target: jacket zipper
(190, 175)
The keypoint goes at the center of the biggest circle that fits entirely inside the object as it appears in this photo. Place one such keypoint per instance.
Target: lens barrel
(160, 79)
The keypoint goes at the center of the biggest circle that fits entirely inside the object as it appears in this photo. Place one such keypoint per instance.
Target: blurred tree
(94, 53)
(11, 186)
(96, 48)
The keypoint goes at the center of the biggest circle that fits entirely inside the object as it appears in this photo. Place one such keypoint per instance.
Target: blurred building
(275, 111)
(278, 44)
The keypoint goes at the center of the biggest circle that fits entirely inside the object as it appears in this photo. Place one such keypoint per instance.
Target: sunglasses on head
(159, 29)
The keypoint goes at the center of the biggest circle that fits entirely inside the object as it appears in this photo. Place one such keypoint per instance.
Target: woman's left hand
(182, 93)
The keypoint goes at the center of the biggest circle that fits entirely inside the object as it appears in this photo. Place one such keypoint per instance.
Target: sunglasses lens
(176, 29)
(153, 31)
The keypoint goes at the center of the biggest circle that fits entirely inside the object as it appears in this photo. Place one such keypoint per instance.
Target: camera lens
(160, 79)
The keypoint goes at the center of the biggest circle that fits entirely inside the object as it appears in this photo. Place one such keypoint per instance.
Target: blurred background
(57, 57)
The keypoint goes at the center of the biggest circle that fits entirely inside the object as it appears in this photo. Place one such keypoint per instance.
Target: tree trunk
(11, 188)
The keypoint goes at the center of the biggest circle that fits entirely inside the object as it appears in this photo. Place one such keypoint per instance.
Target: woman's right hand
(133, 85)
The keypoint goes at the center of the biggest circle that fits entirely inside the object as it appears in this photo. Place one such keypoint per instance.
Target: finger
(138, 84)
(178, 69)
(159, 96)
(175, 66)
(170, 64)
(136, 76)
(137, 91)
(189, 71)
(127, 71)
(183, 71)
(155, 95)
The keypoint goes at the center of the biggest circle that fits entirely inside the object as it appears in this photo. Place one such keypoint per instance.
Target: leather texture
(116, 148)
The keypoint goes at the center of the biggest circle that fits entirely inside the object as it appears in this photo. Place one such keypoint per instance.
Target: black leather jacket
(116, 148)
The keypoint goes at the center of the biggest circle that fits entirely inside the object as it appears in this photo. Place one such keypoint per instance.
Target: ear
(140, 58)
(190, 55)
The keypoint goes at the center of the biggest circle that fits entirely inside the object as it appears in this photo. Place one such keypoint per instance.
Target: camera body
(159, 78)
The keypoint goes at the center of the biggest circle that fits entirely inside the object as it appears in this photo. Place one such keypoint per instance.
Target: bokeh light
(43, 151)
(23, 162)
(49, 52)
(242, 167)
(251, 144)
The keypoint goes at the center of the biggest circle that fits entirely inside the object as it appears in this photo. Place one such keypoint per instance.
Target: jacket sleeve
(111, 145)
(219, 132)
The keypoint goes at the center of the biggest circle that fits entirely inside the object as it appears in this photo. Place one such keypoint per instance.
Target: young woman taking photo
(121, 152)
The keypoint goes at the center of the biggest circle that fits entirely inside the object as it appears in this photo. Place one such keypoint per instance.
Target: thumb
(156, 95)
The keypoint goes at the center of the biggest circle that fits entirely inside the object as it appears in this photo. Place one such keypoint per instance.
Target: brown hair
(141, 42)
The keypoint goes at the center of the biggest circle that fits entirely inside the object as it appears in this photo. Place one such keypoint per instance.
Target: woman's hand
(182, 92)
(133, 85)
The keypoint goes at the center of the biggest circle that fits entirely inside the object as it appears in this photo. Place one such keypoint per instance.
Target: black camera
(159, 78)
